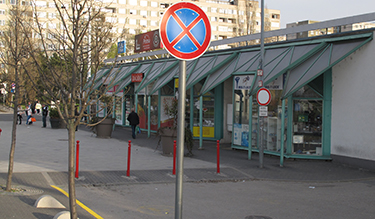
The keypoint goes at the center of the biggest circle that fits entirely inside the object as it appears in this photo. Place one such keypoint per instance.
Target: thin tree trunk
(72, 188)
(14, 133)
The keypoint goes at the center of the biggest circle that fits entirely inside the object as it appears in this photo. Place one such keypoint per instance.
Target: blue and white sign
(121, 47)
(243, 82)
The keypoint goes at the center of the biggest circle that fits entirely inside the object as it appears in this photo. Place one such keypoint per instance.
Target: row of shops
(305, 78)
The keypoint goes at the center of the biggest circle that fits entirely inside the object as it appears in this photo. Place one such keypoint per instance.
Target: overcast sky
(319, 10)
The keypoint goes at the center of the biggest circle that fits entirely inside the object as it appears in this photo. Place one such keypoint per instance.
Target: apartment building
(229, 18)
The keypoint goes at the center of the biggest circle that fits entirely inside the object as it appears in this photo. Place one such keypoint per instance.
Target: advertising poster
(165, 120)
(241, 135)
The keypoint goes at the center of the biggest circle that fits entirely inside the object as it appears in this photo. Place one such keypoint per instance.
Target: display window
(241, 118)
(118, 110)
(307, 122)
(208, 108)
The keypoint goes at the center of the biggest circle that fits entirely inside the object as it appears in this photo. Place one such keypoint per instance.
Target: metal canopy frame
(308, 59)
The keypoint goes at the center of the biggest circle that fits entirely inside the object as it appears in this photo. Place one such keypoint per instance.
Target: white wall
(353, 105)
(228, 92)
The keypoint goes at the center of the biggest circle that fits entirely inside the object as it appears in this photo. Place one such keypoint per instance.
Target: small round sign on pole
(263, 96)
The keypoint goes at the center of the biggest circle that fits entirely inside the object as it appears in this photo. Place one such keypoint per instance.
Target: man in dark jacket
(44, 114)
(133, 119)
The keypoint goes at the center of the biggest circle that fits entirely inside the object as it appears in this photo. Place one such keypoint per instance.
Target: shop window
(208, 108)
(307, 127)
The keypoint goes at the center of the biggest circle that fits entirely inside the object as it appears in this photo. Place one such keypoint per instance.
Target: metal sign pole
(180, 138)
(261, 148)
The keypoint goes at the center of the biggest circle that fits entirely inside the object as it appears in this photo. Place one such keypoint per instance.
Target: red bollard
(174, 157)
(218, 156)
(77, 160)
(129, 149)
(0, 131)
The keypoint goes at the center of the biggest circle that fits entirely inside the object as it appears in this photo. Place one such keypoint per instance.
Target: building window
(154, 23)
(40, 4)
(144, 13)
(122, 20)
(154, 13)
(275, 16)
(274, 24)
(133, 11)
(123, 2)
(2, 11)
(143, 3)
(122, 11)
(133, 2)
(154, 4)
(132, 21)
(164, 5)
(214, 10)
(143, 23)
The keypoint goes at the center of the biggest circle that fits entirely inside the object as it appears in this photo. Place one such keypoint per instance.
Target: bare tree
(67, 60)
(13, 54)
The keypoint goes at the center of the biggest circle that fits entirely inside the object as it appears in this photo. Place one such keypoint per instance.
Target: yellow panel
(208, 132)
(176, 83)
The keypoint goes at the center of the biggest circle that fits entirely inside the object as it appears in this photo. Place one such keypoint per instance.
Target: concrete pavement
(41, 161)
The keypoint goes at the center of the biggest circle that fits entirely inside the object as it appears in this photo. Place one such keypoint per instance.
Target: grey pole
(261, 148)
(180, 138)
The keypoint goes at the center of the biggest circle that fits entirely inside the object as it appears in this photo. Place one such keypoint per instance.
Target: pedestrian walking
(19, 115)
(38, 107)
(133, 119)
(44, 115)
(29, 114)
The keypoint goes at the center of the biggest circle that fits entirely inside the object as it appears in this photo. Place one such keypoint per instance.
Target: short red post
(77, 160)
(218, 155)
(0, 131)
(129, 150)
(174, 157)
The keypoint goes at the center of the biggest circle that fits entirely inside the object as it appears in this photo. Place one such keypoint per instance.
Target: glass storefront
(208, 108)
(307, 122)
(241, 118)
(118, 110)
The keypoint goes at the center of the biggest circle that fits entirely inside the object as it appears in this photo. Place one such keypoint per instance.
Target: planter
(55, 123)
(167, 138)
(104, 129)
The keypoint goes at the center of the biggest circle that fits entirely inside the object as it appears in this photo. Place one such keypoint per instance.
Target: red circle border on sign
(163, 34)
(269, 99)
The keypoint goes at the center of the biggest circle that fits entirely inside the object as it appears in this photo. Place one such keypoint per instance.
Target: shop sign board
(147, 41)
(185, 31)
(121, 47)
(243, 82)
(137, 77)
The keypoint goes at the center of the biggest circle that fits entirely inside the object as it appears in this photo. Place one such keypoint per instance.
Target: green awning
(167, 76)
(158, 69)
(220, 73)
(319, 63)
(203, 68)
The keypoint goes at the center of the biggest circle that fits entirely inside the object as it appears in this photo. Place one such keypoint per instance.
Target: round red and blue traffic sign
(263, 96)
(185, 31)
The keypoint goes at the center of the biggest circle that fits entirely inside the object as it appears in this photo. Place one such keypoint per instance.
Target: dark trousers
(19, 118)
(133, 130)
(44, 118)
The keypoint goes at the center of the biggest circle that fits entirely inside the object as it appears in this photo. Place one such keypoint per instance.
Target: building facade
(228, 18)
